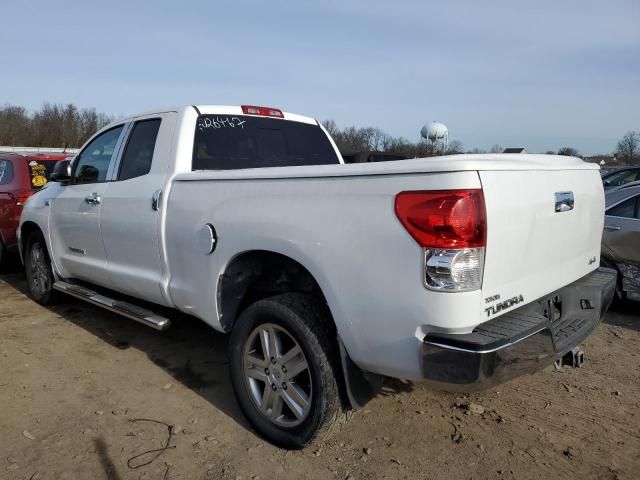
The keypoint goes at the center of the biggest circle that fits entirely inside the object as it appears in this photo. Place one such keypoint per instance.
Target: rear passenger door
(131, 212)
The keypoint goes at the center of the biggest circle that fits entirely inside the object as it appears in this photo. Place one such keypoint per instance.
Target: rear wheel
(284, 369)
(38, 269)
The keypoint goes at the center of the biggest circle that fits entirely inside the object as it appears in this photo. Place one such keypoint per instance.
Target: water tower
(437, 135)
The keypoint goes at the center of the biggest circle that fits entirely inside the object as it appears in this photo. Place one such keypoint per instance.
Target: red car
(21, 174)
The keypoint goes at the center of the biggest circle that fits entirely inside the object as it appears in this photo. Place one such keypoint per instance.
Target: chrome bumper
(521, 341)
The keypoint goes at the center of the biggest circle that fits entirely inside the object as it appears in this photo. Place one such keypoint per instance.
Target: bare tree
(496, 148)
(455, 146)
(568, 152)
(52, 126)
(628, 148)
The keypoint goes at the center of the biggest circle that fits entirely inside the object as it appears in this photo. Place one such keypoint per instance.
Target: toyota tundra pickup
(461, 271)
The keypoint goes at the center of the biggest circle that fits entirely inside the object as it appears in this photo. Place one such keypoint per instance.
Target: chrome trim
(491, 350)
(564, 201)
(155, 200)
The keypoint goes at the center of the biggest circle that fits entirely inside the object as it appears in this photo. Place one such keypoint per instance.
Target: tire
(3, 257)
(304, 333)
(38, 270)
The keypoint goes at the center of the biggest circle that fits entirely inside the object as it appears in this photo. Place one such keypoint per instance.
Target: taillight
(444, 218)
(450, 225)
(21, 197)
(263, 111)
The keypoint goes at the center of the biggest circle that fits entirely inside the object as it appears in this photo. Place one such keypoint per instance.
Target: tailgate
(531, 249)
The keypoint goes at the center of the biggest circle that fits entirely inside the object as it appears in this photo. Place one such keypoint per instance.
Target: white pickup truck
(461, 271)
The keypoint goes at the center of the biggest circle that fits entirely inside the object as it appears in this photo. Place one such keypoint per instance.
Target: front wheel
(284, 369)
(38, 269)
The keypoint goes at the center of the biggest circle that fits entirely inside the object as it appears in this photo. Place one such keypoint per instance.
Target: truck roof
(213, 110)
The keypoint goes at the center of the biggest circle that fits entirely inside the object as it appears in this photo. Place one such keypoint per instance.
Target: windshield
(224, 142)
(622, 177)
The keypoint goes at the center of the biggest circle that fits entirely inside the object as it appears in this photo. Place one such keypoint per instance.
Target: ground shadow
(624, 314)
(193, 353)
(108, 466)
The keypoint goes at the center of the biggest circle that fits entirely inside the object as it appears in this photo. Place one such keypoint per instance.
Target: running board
(142, 315)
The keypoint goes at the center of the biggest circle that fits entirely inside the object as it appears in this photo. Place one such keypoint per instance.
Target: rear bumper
(521, 341)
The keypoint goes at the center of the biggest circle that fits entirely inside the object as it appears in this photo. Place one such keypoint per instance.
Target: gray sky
(541, 74)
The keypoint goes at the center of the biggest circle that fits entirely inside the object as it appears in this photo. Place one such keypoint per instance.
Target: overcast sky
(541, 74)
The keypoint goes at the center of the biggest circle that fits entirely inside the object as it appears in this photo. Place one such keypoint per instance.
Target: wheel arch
(256, 274)
(26, 229)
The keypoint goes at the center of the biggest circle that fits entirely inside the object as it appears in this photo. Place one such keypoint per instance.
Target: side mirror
(61, 172)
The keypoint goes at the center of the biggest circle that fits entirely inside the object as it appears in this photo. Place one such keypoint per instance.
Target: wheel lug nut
(284, 369)
(266, 370)
(284, 386)
(273, 360)
(273, 386)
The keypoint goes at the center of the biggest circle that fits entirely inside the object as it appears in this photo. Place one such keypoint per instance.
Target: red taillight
(444, 218)
(21, 197)
(264, 111)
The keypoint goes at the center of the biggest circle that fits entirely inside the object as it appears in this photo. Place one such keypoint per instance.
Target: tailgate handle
(564, 201)
(611, 227)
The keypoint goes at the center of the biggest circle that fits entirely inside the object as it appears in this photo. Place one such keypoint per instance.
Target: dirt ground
(78, 386)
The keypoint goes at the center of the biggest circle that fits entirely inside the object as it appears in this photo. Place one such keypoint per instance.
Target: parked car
(21, 175)
(621, 238)
(620, 176)
(461, 271)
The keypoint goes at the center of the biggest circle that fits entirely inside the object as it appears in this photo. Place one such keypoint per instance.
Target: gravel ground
(84, 394)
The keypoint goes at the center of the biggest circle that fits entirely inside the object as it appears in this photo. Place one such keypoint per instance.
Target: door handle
(93, 199)
(611, 227)
(155, 199)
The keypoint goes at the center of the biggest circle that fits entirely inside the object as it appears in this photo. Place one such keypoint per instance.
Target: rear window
(6, 172)
(40, 172)
(225, 142)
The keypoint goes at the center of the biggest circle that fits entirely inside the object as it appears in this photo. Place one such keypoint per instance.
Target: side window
(6, 172)
(92, 163)
(626, 209)
(138, 153)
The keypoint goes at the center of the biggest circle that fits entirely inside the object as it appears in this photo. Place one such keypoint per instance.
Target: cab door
(131, 209)
(75, 234)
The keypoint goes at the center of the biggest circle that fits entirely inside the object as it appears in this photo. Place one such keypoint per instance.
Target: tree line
(58, 125)
(53, 125)
(354, 139)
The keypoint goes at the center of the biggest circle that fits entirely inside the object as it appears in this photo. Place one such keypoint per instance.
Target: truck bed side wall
(344, 231)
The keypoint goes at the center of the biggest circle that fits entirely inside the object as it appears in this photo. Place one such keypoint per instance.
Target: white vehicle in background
(460, 271)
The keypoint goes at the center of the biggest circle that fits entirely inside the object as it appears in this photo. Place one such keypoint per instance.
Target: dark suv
(21, 174)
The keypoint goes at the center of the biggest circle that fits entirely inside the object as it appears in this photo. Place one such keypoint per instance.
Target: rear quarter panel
(344, 231)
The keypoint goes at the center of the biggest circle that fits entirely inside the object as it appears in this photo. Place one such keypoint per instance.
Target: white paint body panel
(338, 221)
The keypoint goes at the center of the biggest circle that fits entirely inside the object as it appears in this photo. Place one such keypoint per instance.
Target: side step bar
(142, 315)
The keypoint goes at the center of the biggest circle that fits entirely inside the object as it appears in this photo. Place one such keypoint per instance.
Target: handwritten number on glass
(217, 122)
